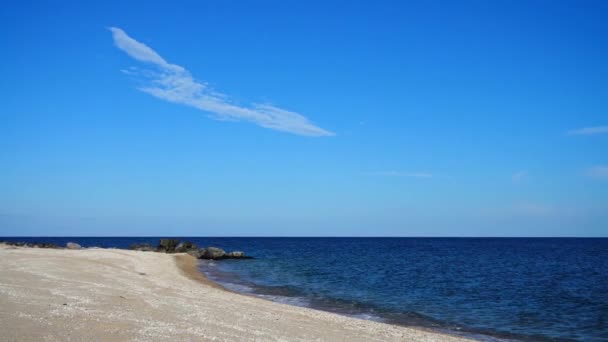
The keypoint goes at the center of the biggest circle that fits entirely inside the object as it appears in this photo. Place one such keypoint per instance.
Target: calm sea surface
(491, 289)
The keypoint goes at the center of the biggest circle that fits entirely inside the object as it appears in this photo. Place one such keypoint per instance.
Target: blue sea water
(489, 288)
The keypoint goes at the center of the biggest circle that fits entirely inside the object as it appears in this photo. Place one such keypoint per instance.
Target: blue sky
(418, 118)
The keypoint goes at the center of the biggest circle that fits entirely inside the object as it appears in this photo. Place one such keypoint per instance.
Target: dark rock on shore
(237, 255)
(31, 245)
(167, 245)
(213, 253)
(186, 246)
(175, 246)
(164, 246)
(197, 253)
(46, 245)
(144, 247)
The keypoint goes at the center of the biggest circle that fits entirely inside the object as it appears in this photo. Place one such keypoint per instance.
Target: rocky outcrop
(213, 253)
(72, 245)
(167, 245)
(197, 253)
(237, 255)
(164, 246)
(144, 247)
(186, 246)
(31, 245)
(175, 246)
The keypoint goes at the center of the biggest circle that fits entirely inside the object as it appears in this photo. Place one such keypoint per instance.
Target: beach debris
(72, 245)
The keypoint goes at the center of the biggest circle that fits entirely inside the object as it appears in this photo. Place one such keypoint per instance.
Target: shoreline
(112, 294)
(189, 266)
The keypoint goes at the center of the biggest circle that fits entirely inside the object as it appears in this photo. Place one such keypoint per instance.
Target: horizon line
(310, 236)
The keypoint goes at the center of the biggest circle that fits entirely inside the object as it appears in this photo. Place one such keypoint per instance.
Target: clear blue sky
(405, 118)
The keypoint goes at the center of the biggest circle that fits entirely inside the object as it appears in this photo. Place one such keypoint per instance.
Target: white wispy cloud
(589, 130)
(174, 83)
(519, 176)
(600, 172)
(402, 174)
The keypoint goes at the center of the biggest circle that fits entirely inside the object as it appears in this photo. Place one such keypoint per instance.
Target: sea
(489, 289)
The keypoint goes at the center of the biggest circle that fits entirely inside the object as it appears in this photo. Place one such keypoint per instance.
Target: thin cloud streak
(599, 172)
(519, 176)
(589, 130)
(402, 174)
(175, 84)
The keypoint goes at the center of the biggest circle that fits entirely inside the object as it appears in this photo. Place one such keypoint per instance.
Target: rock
(197, 253)
(236, 255)
(73, 245)
(144, 247)
(167, 245)
(185, 246)
(213, 253)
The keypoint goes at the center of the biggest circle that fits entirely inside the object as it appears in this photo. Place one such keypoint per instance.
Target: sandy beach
(121, 295)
